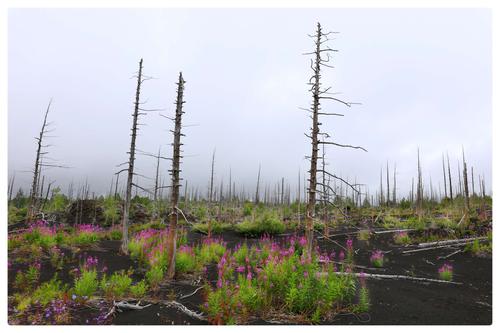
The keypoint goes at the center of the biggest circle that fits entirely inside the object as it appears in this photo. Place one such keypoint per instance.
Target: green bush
(154, 276)
(217, 227)
(48, 291)
(117, 285)
(185, 260)
(86, 285)
(139, 289)
(267, 223)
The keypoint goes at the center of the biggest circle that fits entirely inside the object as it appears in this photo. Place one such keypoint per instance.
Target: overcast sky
(423, 78)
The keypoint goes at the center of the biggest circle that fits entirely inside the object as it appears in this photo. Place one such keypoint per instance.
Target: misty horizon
(419, 87)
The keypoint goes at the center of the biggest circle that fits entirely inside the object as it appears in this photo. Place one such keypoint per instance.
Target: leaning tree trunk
(33, 200)
(130, 175)
(175, 173)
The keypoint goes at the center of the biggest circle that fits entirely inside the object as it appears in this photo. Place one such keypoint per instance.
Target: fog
(423, 77)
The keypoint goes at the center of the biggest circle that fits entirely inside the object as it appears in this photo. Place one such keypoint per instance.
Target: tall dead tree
(388, 186)
(449, 177)
(420, 187)
(131, 161)
(257, 189)
(394, 186)
(11, 186)
(472, 178)
(211, 193)
(444, 178)
(466, 188)
(381, 200)
(36, 193)
(321, 57)
(175, 173)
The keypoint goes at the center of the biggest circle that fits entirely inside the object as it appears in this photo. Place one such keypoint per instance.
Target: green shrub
(364, 235)
(210, 251)
(154, 276)
(48, 291)
(117, 285)
(185, 260)
(139, 289)
(267, 223)
(217, 227)
(86, 284)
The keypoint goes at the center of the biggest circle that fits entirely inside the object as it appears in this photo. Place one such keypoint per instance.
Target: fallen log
(451, 254)
(391, 231)
(452, 241)
(396, 277)
(184, 309)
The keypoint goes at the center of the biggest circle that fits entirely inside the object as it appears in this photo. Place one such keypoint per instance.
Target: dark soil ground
(399, 302)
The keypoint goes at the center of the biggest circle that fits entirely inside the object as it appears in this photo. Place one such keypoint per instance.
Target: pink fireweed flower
(240, 269)
(302, 241)
(249, 275)
(349, 244)
(306, 274)
(341, 256)
(377, 258)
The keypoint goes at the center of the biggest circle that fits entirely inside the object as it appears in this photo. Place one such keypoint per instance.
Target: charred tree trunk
(394, 187)
(311, 202)
(33, 199)
(449, 177)
(175, 173)
(466, 189)
(444, 179)
(388, 187)
(257, 189)
(130, 174)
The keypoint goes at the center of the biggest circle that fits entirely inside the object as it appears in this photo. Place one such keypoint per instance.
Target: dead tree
(420, 191)
(321, 56)
(381, 199)
(388, 187)
(175, 173)
(257, 189)
(444, 179)
(11, 186)
(36, 193)
(449, 177)
(394, 186)
(466, 189)
(472, 178)
(210, 194)
(130, 169)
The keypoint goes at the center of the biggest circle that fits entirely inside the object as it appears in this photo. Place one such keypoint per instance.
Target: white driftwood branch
(184, 309)
(397, 277)
(452, 241)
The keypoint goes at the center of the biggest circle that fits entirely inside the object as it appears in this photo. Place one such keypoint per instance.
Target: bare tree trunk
(388, 187)
(311, 203)
(257, 189)
(298, 200)
(381, 200)
(394, 187)
(130, 175)
(210, 194)
(419, 185)
(33, 202)
(156, 213)
(444, 179)
(449, 177)
(175, 173)
(472, 178)
(466, 189)
(11, 186)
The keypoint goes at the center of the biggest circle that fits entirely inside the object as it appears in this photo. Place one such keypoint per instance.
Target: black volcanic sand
(399, 302)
